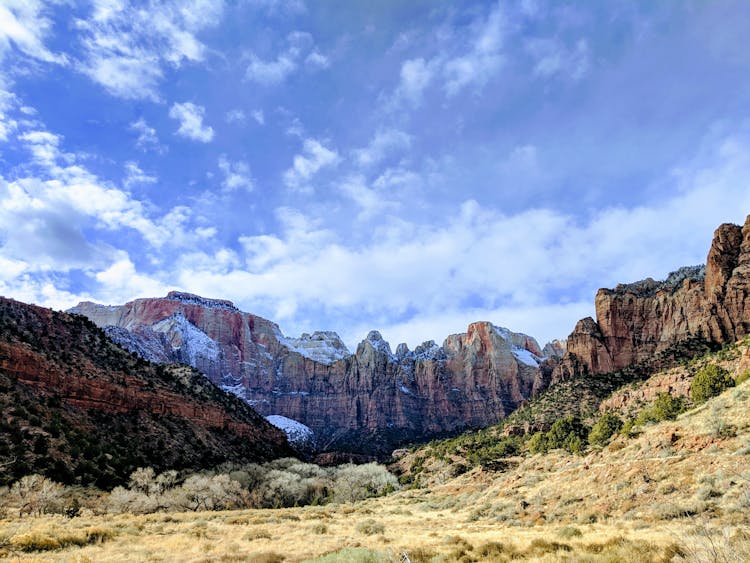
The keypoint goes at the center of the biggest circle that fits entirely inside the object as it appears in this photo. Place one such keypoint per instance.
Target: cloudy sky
(403, 166)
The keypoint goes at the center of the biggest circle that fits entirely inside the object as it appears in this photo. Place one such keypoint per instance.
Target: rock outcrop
(366, 402)
(81, 388)
(637, 322)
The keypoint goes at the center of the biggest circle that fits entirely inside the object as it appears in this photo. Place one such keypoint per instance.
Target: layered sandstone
(72, 373)
(368, 401)
(635, 323)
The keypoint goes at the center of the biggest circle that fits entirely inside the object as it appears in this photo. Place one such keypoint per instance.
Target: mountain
(367, 402)
(78, 408)
(637, 322)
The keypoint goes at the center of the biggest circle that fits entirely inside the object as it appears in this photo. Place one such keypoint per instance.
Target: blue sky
(403, 166)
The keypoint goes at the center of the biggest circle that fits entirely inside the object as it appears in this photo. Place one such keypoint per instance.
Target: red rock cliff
(368, 401)
(636, 322)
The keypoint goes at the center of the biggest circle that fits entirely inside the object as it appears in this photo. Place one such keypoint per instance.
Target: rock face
(636, 322)
(365, 402)
(80, 383)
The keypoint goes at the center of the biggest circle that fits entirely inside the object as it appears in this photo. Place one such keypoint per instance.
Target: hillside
(677, 491)
(78, 408)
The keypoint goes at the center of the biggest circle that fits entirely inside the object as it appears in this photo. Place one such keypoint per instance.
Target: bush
(370, 527)
(741, 378)
(37, 495)
(666, 407)
(566, 433)
(709, 382)
(358, 482)
(604, 429)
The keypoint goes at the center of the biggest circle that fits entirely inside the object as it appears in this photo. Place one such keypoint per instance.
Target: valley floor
(680, 490)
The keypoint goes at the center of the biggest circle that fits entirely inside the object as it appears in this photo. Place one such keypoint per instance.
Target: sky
(409, 167)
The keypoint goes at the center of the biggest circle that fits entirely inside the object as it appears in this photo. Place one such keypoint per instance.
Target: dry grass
(679, 491)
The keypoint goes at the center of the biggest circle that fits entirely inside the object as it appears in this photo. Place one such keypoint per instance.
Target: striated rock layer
(637, 322)
(63, 383)
(364, 402)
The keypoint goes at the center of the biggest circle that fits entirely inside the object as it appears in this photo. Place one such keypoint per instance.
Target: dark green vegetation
(79, 409)
(710, 382)
(566, 416)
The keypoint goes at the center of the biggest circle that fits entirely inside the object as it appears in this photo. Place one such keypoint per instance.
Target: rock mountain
(366, 402)
(637, 322)
(80, 409)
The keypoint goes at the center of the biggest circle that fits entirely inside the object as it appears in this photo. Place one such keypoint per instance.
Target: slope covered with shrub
(79, 409)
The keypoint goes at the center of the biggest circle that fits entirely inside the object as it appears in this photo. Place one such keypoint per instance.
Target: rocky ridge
(65, 385)
(637, 322)
(366, 402)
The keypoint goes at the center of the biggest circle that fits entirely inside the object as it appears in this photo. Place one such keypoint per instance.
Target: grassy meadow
(677, 490)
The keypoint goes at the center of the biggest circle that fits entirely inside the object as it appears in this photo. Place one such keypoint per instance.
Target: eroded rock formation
(637, 322)
(368, 401)
(132, 411)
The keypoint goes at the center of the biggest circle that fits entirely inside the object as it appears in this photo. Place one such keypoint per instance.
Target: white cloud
(7, 124)
(314, 157)
(135, 176)
(316, 60)
(269, 73)
(147, 139)
(483, 60)
(552, 57)
(437, 278)
(259, 117)
(121, 282)
(236, 175)
(416, 75)
(235, 116)
(191, 117)
(385, 142)
(23, 25)
(300, 49)
(128, 45)
(370, 201)
(471, 59)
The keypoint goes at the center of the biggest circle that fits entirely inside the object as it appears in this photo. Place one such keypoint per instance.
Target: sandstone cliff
(80, 408)
(635, 323)
(368, 401)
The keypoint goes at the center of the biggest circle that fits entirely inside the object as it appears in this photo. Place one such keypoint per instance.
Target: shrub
(566, 433)
(37, 495)
(203, 492)
(604, 429)
(358, 482)
(538, 443)
(709, 382)
(666, 407)
(370, 527)
(741, 378)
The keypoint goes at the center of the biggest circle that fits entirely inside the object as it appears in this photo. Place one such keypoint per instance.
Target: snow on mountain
(376, 341)
(523, 355)
(520, 344)
(323, 346)
(194, 347)
(297, 433)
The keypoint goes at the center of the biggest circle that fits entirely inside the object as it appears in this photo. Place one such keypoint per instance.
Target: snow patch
(324, 347)
(193, 346)
(237, 389)
(297, 433)
(526, 357)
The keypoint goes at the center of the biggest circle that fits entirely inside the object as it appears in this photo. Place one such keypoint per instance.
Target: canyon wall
(368, 401)
(637, 322)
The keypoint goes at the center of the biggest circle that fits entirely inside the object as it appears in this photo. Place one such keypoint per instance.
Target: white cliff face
(324, 347)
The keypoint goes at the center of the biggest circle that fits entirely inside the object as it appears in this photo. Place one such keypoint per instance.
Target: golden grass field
(678, 491)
